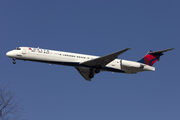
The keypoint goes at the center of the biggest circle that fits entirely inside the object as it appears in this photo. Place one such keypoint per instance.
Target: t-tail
(152, 56)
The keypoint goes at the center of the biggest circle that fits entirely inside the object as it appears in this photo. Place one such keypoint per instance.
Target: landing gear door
(24, 51)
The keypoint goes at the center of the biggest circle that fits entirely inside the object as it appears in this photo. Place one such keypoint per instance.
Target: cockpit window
(18, 48)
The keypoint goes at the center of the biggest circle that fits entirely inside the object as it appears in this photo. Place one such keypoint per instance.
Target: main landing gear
(97, 70)
(14, 62)
(91, 75)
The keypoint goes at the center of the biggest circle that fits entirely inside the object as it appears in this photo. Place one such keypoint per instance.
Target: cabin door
(24, 51)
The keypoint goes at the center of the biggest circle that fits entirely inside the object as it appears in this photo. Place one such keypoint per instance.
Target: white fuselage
(75, 60)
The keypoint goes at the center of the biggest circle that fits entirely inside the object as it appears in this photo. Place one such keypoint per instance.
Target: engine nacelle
(133, 67)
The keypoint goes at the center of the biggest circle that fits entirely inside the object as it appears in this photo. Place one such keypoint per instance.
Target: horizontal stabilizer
(161, 51)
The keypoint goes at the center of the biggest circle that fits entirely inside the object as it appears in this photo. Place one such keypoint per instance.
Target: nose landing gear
(14, 62)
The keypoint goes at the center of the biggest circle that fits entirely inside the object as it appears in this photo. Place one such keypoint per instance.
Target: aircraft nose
(10, 54)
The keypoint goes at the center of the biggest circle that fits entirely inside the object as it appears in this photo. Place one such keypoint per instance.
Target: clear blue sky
(52, 92)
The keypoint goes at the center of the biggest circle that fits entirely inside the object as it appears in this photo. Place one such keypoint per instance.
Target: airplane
(88, 65)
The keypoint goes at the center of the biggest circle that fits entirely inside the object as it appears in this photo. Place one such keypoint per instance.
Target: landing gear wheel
(91, 76)
(97, 71)
(14, 62)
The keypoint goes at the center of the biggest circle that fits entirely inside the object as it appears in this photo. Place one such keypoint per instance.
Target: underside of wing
(85, 72)
(101, 62)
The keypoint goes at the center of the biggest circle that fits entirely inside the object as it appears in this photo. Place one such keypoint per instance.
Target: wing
(90, 67)
(85, 72)
(101, 62)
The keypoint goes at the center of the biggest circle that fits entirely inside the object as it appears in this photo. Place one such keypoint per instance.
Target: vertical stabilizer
(152, 56)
